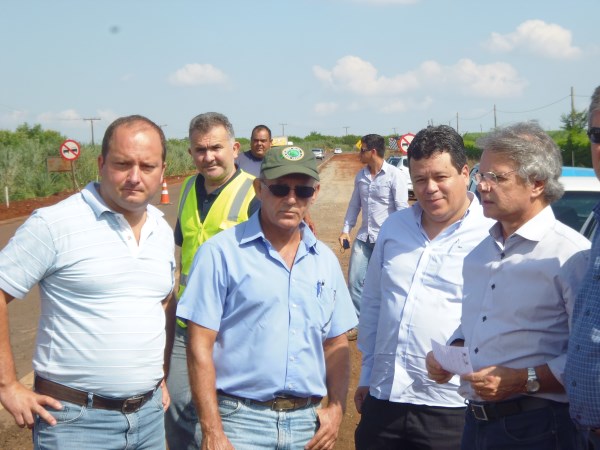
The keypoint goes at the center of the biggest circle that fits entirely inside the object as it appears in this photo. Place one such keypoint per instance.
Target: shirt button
(294, 305)
(502, 255)
(574, 383)
(476, 350)
(291, 358)
(577, 347)
(484, 318)
(493, 286)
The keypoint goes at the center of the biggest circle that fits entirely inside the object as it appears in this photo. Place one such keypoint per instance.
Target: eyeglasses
(491, 178)
(594, 135)
(282, 190)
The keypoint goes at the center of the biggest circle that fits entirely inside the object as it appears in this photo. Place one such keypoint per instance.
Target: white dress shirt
(519, 296)
(412, 294)
(377, 196)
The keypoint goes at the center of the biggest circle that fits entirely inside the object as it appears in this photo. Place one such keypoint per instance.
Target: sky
(334, 67)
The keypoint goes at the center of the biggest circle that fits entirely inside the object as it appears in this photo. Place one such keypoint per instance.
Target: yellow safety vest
(229, 208)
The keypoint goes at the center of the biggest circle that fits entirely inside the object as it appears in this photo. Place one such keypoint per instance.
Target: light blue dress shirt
(377, 196)
(412, 294)
(519, 296)
(102, 323)
(271, 320)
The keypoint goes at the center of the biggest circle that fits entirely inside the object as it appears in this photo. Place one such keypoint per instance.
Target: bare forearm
(8, 374)
(337, 363)
(170, 306)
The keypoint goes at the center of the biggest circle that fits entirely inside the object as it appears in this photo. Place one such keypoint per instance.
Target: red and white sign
(405, 141)
(70, 150)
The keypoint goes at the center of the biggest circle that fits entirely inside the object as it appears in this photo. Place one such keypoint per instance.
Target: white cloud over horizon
(325, 108)
(197, 74)
(548, 40)
(355, 75)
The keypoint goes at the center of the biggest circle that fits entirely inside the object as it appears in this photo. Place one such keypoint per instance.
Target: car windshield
(574, 207)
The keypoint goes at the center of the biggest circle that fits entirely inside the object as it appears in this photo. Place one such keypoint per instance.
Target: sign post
(405, 141)
(70, 151)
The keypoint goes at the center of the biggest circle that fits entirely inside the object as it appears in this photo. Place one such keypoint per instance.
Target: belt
(287, 403)
(496, 410)
(67, 394)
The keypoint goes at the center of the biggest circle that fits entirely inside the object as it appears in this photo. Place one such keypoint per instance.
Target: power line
(535, 109)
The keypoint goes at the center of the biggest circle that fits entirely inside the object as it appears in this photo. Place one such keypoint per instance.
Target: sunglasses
(282, 190)
(594, 135)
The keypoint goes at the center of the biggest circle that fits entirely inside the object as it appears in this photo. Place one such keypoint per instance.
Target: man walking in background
(412, 295)
(104, 262)
(379, 190)
(217, 198)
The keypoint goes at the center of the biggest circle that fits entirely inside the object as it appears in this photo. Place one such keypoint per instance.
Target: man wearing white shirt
(412, 295)
(520, 288)
(379, 190)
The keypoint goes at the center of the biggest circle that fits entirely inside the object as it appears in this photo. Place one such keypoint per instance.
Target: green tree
(573, 151)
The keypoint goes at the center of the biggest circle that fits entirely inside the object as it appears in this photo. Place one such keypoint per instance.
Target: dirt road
(337, 174)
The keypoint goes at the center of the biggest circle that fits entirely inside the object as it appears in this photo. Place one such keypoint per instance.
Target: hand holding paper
(453, 359)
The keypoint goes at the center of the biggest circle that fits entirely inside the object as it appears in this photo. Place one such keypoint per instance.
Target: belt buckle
(282, 404)
(132, 404)
(479, 412)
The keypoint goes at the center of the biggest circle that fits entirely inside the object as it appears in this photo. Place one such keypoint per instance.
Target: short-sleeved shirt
(102, 324)
(271, 320)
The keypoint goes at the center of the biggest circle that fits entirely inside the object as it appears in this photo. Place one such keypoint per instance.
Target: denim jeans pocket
(228, 406)
(157, 398)
(69, 414)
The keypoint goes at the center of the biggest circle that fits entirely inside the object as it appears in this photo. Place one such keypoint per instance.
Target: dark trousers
(548, 428)
(390, 425)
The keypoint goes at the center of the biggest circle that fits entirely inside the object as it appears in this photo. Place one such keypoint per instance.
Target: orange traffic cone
(164, 195)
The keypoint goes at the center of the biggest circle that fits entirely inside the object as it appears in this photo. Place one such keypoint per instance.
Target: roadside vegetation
(24, 153)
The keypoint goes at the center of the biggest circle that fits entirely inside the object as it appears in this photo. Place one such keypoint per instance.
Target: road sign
(405, 141)
(70, 150)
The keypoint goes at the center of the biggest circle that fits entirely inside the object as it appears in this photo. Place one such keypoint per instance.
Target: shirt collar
(532, 230)
(250, 156)
(95, 201)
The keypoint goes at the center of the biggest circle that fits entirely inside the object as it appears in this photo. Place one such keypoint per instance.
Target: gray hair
(594, 106)
(535, 154)
(203, 123)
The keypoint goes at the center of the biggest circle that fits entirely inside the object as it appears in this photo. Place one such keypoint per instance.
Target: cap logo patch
(293, 153)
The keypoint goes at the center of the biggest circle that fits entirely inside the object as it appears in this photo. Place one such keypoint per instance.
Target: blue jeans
(79, 428)
(357, 270)
(249, 426)
(547, 428)
(181, 420)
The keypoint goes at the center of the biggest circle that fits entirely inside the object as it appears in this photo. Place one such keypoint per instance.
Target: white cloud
(197, 74)
(12, 118)
(538, 37)
(52, 116)
(403, 105)
(326, 108)
(354, 75)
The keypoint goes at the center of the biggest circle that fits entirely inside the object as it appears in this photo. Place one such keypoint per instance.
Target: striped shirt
(102, 321)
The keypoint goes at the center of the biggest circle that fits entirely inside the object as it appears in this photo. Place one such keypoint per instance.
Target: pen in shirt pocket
(320, 285)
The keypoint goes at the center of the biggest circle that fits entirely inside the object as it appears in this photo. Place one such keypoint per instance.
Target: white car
(319, 153)
(401, 162)
(337, 151)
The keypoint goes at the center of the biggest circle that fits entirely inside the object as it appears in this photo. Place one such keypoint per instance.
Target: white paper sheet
(453, 359)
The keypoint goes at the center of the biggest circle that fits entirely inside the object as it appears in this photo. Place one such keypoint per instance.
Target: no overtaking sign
(70, 150)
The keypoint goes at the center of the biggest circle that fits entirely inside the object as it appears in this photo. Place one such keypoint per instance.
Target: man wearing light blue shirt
(267, 309)
(379, 190)
(520, 287)
(412, 295)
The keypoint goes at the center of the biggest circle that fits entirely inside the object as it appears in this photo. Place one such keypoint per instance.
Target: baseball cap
(282, 161)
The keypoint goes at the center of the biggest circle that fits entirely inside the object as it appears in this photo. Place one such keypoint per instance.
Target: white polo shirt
(102, 324)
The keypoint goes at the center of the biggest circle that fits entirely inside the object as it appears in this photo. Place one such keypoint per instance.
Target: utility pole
(457, 123)
(91, 119)
(346, 130)
(572, 123)
(283, 128)
(394, 130)
(495, 122)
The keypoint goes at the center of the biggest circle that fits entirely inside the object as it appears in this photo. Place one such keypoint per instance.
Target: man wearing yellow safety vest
(218, 197)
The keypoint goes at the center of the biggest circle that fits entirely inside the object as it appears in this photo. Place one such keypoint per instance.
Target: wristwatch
(533, 384)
